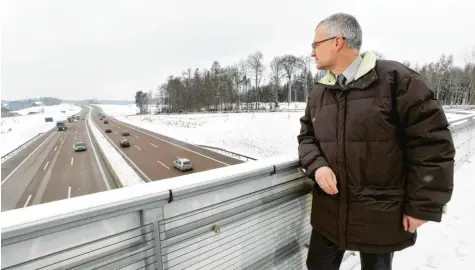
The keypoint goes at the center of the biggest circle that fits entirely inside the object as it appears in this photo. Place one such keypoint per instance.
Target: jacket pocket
(375, 217)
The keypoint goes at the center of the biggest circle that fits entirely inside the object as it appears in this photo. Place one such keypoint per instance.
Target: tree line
(249, 83)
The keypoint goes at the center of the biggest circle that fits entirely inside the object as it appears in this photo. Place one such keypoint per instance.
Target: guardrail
(230, 153)
(459, 107)
(252, 215)
(19, 148)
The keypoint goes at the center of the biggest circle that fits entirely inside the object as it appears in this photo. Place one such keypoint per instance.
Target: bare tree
(246, 81)
(277, 73)
(290, 66)
(304, 64)
(254, 61)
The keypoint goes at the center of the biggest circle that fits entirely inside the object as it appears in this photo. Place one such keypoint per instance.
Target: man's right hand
(326, 179)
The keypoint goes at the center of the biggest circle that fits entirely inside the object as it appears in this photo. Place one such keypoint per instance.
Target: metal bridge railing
(248, 216)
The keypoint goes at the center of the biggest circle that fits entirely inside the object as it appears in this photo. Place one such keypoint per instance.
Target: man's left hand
(410, 224)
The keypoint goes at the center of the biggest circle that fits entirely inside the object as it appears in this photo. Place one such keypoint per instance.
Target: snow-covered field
(257, 135)
(17, 130)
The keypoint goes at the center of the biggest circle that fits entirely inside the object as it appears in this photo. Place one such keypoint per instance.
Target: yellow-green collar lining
(368, 63)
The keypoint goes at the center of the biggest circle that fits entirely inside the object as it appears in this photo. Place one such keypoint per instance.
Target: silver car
(183, 164)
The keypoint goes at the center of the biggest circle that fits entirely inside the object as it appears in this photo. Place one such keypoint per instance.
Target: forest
(249, 83)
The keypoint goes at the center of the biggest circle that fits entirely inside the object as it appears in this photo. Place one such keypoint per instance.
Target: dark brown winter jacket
(386, 138)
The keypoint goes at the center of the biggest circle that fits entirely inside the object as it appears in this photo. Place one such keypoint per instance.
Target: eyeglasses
(316, 43)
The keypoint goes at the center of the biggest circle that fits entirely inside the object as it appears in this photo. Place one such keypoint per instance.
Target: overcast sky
(109, 49)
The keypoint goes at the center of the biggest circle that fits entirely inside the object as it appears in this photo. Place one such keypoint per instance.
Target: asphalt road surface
(53, 171)
(154, 154)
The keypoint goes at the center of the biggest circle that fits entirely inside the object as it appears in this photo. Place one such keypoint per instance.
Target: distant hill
(15, 105)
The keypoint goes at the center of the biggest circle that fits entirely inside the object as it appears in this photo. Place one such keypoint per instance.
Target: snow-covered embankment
(121, 171)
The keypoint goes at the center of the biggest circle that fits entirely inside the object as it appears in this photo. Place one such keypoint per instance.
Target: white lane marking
(69, 192)
(137, 137)
(138, 147)
(72, 161)
(153, 145)
(61, 139)
(46, 166)
(174, 144)
(27, 201)
(74, 137)
(163, 165)
(55, 148)
(47, 177)
(94, 150)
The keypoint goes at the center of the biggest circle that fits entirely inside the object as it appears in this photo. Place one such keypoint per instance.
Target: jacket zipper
(338, 162)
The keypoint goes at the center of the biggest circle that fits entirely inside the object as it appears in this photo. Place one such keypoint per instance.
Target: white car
(183, 164)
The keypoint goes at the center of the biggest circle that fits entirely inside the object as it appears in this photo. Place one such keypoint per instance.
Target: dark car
(79, 146)
(106, 122)
(125, 133)
(108, 130)
(124, 142)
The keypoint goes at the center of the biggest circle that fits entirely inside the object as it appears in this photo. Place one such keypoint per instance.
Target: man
(377, 144)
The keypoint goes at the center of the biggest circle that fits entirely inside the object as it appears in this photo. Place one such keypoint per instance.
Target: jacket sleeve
(429, 150)
(310, 154)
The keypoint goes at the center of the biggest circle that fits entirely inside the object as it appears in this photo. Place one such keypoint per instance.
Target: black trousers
(325, 255)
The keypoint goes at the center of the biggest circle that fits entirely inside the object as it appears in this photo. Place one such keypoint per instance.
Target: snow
(125, 174)
(251, 134)
(17, 130)
(258, 135)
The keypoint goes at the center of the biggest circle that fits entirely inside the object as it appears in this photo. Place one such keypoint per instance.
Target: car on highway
(125, 133)
(183, 164)
(79, 146)
(108, 130)
(124, 142)
(106, 122)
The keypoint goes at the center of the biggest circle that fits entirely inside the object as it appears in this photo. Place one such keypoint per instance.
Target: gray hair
(345, 25)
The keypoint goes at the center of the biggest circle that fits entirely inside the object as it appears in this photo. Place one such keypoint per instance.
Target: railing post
(153, 216)
(157, 246)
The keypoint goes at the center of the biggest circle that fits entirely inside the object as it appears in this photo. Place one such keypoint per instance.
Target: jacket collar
(367, 65)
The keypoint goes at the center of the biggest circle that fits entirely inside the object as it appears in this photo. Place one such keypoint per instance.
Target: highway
(50, 170)
(153, 153)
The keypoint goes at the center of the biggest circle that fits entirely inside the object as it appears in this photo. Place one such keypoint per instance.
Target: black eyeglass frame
(316, 43)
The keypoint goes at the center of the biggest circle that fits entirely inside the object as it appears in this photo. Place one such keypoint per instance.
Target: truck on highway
(60, 125)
